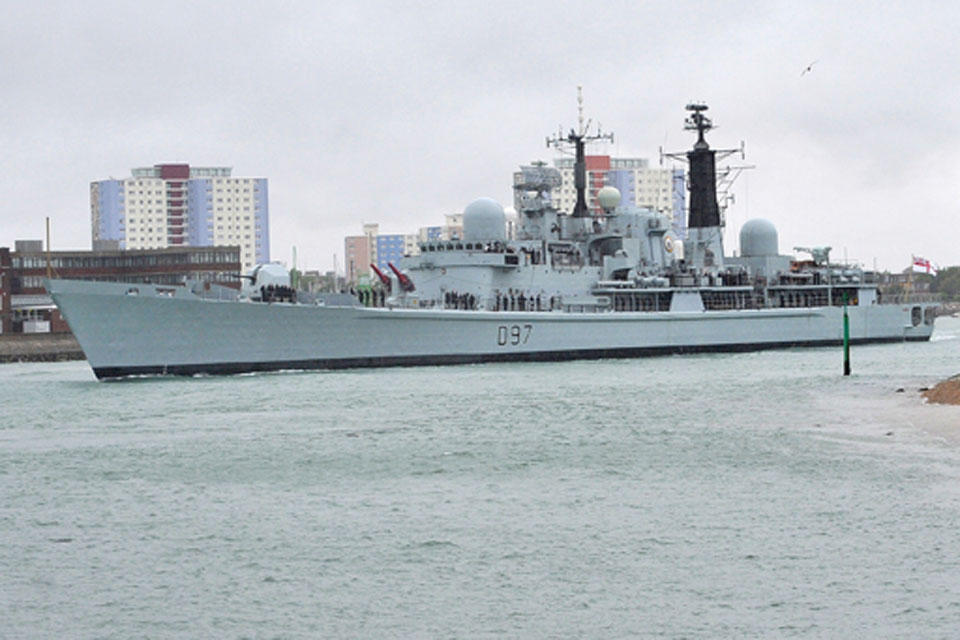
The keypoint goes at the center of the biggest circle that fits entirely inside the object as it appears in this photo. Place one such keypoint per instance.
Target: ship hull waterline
(177, 333)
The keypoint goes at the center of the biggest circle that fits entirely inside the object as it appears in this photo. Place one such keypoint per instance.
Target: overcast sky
(400, 112)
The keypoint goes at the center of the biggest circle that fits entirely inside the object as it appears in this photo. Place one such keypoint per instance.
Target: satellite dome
(758, 238)
(484, 221)
(608, 197)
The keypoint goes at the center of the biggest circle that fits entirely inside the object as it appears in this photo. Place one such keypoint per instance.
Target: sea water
(756, 495)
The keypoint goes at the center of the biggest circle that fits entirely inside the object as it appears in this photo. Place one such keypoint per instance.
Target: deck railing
(910, 298)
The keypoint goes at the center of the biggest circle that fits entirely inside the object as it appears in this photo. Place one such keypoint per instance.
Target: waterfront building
(356, 251)
(390, 248)
(380, 249)
(360, 252)
(315, 282)
(429, 234)
(26, 307)
(452, 226)
(174, 205)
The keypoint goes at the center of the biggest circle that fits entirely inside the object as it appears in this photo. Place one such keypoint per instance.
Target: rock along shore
(946, 392)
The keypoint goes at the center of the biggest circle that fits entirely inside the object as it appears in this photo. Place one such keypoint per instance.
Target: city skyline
(378, 112)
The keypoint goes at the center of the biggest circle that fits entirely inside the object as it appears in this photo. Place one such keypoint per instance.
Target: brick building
(25, 306)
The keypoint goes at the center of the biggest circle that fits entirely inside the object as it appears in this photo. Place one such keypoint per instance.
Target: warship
(609, 283)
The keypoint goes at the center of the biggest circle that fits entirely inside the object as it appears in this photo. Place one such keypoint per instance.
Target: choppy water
(752, 496)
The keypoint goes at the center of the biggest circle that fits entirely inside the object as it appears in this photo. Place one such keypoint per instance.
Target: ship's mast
(578, 138)
(704, 211)
(703, 246)
(703, 181)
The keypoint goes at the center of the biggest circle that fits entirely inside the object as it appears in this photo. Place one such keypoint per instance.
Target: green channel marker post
(846, 337)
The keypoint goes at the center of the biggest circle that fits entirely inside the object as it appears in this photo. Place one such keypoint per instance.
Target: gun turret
(380, 274)
(405, 282)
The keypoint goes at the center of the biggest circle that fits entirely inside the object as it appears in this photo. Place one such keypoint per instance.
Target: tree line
(946, 283)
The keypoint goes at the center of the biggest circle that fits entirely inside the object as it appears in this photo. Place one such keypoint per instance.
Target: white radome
(758, 238)
(608, 197)
(484, 221)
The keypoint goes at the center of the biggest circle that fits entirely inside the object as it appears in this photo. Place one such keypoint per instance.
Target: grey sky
(401, 112)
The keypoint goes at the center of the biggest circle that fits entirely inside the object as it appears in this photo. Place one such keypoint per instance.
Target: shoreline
(944, 392)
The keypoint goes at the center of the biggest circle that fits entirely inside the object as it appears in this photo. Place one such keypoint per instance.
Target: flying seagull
(809, 68)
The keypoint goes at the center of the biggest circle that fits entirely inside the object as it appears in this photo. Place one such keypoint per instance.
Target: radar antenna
(820, 255)
(578, 138)
(698, 122)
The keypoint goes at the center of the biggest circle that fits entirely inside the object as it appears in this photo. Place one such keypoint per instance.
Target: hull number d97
(514, 334)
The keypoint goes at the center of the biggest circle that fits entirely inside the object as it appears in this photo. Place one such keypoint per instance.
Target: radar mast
(709, 187)
(578, 138)
(703, 246)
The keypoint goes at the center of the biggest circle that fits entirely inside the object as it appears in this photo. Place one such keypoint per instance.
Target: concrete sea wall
(39, 347)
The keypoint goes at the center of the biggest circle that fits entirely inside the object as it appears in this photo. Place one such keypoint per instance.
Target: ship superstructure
(627, 260)
(571, 285)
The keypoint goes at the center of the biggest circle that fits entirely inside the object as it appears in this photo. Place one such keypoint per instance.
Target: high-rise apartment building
(171, 205)
(390, 248)
(356, 251)
(452, 227)
(429, 234)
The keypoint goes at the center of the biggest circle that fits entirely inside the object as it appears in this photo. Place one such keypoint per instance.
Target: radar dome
(758, 238)
(608, 197)
(484, 221)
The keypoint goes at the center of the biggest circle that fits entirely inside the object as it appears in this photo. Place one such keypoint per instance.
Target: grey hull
(169, 330)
